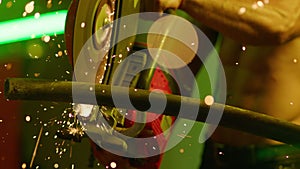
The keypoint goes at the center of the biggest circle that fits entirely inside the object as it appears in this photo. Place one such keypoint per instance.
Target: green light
(27, 28)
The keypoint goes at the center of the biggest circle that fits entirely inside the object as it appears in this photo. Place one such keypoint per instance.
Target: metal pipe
(233, 117)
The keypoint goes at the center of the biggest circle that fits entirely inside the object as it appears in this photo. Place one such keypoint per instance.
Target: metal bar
(233, 117)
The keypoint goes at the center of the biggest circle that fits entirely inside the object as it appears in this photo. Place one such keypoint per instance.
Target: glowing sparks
(9, 4)
(55, 165)
(209, 100)
(36, 147)
(29, 7)
(59, 53)
(242, 10)
(184, 136)
(221, 153)
(36, 74)
(8, 66)
(70, 155)
(82, 25)
(260, 3)
(27, 118)
(76, 131)
(47, 133)
(49, 4)
(295, 60)
(244, 48)
(23, 166)
(254, 6)
(37, 15)
(113, 165)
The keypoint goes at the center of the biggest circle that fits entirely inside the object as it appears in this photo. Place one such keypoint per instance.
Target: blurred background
(28, 128)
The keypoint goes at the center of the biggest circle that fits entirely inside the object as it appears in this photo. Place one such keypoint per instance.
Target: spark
(27, 118)
(36, 147)
(71, 152)
(82, 25)
(260, 4)
(37, 15)
(29, 7)
(113, 165)
(23, 165)
(295, 60)
(184, 136)
(75, 131)
(244, 48)
(242, 10)
(209, 100)
(55, 165)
